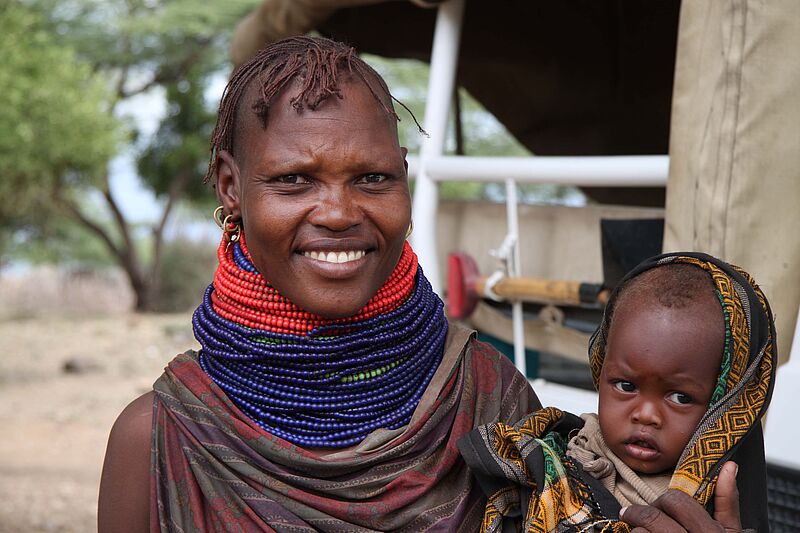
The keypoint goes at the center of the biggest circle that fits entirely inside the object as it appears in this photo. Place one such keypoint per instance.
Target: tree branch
(123, 79)
(167, 75)
(90, 224)
(121, 223)
(176, 189)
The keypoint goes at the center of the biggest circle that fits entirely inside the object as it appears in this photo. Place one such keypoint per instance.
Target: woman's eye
(373, 178)
(624, 386)
(680, 398)
(292, 179)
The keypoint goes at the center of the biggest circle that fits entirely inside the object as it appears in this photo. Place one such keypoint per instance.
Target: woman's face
(323, 196)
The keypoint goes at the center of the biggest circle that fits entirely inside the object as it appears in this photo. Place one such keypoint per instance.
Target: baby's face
(659, 372)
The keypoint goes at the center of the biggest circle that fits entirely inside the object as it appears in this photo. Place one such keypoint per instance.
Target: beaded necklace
(312, 381)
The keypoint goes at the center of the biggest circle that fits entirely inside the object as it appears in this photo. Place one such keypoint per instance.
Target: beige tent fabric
(734, 181)
(273, 20)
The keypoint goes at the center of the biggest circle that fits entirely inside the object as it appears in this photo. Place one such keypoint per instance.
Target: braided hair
(318, 63)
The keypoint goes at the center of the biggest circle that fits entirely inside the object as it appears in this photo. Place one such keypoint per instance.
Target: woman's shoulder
(483, 353)
(494, 371)
(124, 503)
(134, 425)
(137, 417)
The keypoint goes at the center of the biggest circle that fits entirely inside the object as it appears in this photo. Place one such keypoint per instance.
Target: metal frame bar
(515, 270)
(580, 171)
(444, 60)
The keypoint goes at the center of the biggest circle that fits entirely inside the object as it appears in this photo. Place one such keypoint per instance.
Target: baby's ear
(227, 182)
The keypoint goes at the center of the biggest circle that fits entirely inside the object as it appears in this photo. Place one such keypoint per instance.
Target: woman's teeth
(336, 257)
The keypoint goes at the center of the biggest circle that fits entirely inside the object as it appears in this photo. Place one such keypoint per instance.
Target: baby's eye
(680, 398)
(292, 179)
(373, 178)
(624, 386)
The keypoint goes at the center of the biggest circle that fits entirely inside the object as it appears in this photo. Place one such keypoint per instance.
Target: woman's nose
(647, 413)
(336, 210)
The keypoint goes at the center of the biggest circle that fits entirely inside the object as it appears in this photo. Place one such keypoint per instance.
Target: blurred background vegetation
(74, 77)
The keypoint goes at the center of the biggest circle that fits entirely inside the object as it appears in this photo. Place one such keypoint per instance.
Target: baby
(663, 356)
(683, 364)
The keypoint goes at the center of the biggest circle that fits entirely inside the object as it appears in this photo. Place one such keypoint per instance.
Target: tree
(54, 126)
(134, 47)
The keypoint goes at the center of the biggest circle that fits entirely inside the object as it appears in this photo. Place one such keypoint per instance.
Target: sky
(136, 202)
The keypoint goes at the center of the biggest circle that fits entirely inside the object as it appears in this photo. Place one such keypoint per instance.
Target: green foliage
(157, 36)
(55, 125)
(72, 63)
(181, 144)
(186, 270)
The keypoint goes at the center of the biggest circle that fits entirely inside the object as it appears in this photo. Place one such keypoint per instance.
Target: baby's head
(663, 353)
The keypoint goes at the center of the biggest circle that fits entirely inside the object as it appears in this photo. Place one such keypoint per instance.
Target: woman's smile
(337, 263)
(336, 257)
(341, 251)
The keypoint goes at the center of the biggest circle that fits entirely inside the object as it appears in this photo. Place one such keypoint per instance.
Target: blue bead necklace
(333, 386)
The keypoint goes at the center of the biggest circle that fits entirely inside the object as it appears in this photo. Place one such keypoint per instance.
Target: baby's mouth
(642, 447)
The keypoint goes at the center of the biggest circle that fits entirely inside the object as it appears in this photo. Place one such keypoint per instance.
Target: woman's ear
(228, 184)
(404, 151)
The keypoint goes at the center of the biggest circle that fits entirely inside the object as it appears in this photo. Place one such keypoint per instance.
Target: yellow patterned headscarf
(746, 378)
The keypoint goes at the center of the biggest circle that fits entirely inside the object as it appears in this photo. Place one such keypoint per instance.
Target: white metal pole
(444, 61)
(515, 270)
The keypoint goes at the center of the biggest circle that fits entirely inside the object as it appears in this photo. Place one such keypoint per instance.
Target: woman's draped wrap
(215, 468)
(530, 478)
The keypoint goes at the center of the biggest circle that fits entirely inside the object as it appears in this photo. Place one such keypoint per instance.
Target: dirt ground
(56, 422)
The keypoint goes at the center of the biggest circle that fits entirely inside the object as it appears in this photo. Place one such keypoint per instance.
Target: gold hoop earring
(218, 217)
(410, 229)
(233, 230)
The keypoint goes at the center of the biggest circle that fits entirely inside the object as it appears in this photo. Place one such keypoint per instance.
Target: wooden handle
(541, 290)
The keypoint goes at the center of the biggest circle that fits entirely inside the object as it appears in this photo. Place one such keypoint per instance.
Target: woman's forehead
(297, 95)
(354, 101)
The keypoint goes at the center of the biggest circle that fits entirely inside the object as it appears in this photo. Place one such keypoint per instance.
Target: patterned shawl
(529, 478)
(214, 469)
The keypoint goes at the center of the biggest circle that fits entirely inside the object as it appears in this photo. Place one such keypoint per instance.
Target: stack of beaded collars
(314, 382)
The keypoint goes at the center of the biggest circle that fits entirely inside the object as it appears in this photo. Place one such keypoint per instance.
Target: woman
(330, 391)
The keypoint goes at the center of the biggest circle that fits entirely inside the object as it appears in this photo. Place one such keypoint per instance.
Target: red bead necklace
(247, 298)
